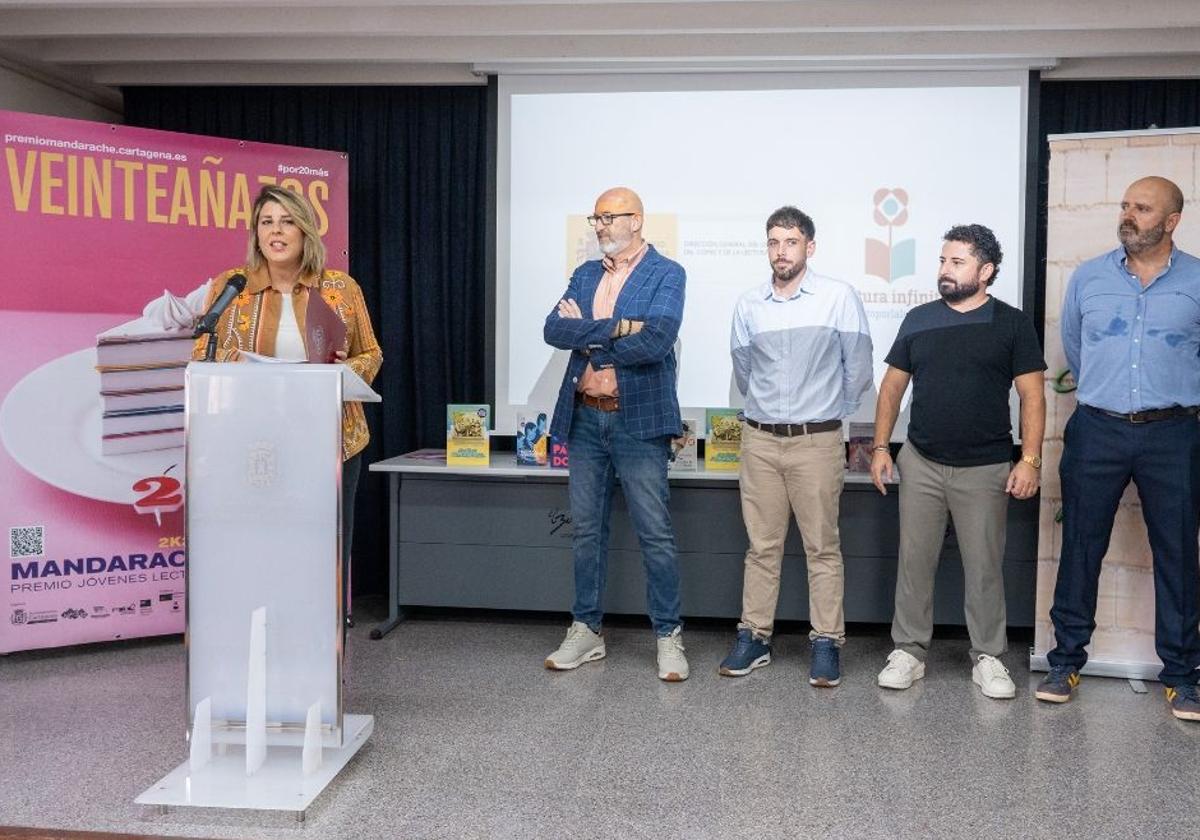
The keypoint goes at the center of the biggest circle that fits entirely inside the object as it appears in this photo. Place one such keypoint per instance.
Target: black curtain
(1122, 105)
(418, 194)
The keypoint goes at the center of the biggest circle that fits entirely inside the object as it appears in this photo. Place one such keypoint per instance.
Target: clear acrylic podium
(265, 614)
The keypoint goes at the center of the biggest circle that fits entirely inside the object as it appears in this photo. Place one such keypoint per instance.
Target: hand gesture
(568, 308)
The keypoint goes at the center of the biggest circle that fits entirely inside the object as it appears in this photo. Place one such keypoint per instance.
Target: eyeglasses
(607, 218)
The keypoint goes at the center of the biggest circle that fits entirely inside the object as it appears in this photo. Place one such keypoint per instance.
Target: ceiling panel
(96, 44)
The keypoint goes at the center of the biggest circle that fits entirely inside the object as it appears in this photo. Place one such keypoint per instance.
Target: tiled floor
(474, 739)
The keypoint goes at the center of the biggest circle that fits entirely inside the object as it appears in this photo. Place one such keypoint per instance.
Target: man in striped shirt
(802, 358)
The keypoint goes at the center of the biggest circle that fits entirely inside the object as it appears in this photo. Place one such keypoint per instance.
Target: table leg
(395, 614)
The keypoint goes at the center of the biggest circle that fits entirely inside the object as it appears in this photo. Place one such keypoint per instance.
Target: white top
(288, 342)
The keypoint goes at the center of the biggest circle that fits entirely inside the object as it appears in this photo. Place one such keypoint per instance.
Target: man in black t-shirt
(963, 353)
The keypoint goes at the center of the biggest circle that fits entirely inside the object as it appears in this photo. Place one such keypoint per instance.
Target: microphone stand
(210, 349)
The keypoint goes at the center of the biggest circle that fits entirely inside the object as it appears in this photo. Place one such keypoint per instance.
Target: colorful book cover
(723, 439)
(467, 443)
(558, 453)
(858, 459)
(685, 446)
(533, 440)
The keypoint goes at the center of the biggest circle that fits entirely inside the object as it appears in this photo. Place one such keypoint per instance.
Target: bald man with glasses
(618, 411)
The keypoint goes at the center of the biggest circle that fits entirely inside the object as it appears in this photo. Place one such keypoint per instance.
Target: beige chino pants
(974, 497)
(782, 476)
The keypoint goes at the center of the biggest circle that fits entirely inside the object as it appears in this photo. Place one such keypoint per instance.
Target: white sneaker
(672, 664)
(581, 645)
(992, 678)
(902, 670)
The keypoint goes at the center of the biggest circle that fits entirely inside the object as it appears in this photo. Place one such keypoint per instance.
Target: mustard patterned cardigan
(251, 323)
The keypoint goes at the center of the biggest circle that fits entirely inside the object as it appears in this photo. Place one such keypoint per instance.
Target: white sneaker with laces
(992, 678)
(902, 670)
(672, 664)
(580, 645)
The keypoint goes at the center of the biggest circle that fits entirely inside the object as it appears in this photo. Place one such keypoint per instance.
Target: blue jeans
(600, 450)
(1101, 455)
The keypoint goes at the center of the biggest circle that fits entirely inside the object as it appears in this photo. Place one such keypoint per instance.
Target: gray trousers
(975, 498)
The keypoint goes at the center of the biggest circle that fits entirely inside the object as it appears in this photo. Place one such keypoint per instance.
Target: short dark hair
(789, 217)
(984, 245)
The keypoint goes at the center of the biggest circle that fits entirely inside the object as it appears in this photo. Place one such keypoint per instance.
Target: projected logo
(891, 260)
(661, 230)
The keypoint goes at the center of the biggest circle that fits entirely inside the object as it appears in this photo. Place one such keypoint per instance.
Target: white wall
(21, 92)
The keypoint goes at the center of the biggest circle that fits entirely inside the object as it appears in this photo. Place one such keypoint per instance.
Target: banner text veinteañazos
(170, 193)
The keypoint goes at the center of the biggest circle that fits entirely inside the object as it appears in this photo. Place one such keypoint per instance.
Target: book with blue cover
(533, 440)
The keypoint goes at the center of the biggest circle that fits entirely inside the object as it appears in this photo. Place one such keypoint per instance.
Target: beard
(952, 291)
(785, 273)
(613, 244)
(1136, 241)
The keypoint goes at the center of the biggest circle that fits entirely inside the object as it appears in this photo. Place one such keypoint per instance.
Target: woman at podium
(286, 281)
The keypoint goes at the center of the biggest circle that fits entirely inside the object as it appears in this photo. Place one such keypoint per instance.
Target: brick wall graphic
(1088, 177)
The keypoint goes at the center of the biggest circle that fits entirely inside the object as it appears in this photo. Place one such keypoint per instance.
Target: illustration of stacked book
(141, 365)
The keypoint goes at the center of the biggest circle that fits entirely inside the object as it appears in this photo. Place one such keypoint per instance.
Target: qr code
(26, 542)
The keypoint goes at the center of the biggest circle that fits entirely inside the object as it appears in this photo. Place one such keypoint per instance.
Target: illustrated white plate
(50, 424)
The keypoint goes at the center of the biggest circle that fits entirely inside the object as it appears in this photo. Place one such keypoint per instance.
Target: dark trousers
(1101, 455)
(350, 473)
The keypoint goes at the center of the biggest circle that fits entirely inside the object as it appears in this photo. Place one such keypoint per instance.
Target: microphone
(208, 322)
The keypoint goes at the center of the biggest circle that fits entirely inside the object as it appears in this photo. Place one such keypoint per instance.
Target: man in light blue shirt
(1131, 332)
(802, 358)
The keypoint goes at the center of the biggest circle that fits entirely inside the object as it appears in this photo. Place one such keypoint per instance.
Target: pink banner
(109, 234)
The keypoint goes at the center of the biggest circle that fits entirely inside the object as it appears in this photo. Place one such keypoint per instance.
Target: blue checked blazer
(644, 363)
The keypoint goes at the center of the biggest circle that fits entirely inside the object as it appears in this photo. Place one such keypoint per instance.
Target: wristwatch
(1034, 461)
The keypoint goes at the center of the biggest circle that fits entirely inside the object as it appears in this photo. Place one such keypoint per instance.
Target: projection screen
(883, 163)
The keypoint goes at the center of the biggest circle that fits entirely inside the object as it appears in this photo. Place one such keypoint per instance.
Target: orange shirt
(252, 320)
(617, 268)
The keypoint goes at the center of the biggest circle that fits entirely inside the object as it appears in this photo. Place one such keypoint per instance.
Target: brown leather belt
(794, 429)
(601, 403)
(1151, 415)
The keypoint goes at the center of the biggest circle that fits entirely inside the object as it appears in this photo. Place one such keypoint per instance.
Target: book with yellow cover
(467, 443)
(723, 439)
